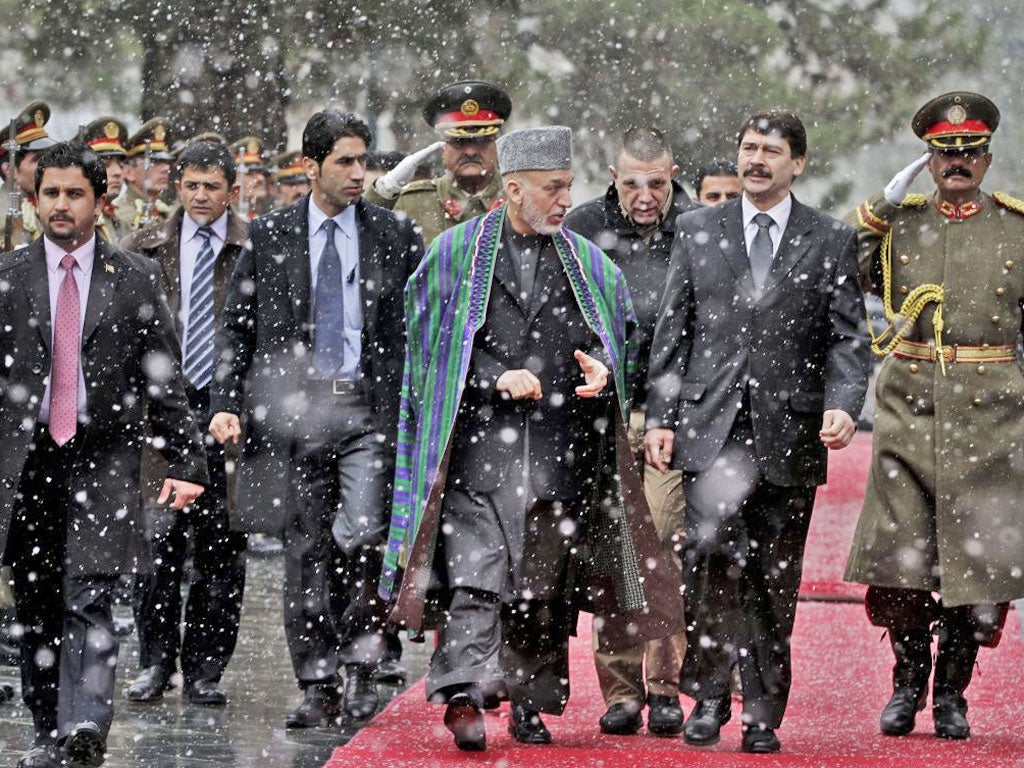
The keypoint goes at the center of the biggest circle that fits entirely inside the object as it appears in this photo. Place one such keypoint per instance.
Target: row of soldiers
(140, 189)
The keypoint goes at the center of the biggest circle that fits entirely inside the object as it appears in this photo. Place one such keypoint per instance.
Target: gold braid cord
(901, 322)
(1010, 203)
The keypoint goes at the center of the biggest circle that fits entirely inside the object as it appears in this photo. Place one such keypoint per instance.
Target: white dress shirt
(85, 256)
(780, 218)
(189, 245)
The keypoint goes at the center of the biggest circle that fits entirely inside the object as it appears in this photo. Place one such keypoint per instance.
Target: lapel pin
(109, 268)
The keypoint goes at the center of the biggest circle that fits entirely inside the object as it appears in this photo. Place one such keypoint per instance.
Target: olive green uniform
(942, 510)
(437, 204)
(129, 211)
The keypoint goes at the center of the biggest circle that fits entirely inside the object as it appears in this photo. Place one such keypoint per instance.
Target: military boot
(912, 650)
(954, 666)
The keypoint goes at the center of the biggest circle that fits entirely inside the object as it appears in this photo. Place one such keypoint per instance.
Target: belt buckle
(338, 386)
(945, 353)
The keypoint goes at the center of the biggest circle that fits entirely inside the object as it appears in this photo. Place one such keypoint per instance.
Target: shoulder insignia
(1010, 203)
(914, 200)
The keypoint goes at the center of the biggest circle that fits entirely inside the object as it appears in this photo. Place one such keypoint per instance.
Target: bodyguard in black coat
(69, 469)
(318, 445)
(758, 365)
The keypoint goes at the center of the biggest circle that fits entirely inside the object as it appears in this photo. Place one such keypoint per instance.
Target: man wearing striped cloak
(516, 500)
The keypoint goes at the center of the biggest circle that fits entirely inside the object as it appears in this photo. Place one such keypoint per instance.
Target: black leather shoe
(621, 719)
(901, 711)
(150, 685)
(390, 672)
(665, 716)
(704, 725)
(321, 705)
(205, 693)
(360, 691)
(526, 726)
(85, 747)
(466, 722)
(40, 756)
(760, 741)
(950, 715)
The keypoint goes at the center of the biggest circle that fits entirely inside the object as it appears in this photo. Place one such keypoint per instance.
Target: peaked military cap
(288, 168)
(248, 150)
(106, 136)
(956, 120)
(30, 129)
(468, 110)
(155, 132)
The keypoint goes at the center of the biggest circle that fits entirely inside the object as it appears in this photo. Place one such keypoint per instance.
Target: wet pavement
(248, 732)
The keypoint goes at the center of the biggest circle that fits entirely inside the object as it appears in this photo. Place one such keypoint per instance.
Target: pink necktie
(66, 357)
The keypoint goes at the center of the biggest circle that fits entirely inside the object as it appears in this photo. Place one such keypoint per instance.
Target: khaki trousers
(621, 674)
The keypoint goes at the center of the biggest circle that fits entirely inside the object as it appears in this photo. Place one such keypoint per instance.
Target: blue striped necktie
(199, 336)
(329, 310)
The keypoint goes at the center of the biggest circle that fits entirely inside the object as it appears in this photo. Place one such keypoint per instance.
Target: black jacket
(264, 341)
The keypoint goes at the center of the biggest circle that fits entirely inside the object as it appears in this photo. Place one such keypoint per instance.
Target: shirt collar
(84, 254)
(190, 226)
(346, 220)
(779, 212)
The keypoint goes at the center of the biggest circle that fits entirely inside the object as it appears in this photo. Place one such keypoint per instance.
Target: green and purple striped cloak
(445, 305)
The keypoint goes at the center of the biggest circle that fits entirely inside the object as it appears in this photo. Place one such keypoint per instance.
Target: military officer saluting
(106, 136)
(468, 115)
(942, 512)
(148, 173)
(31, 137)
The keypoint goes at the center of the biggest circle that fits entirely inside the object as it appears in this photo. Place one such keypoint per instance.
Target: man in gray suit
(758, 365)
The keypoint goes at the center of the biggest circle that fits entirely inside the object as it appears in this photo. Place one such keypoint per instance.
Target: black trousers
(217, 582)
(742, 564)
(68, 649)
(341, 472)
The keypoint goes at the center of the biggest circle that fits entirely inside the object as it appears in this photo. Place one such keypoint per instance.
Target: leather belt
(336, 386)
(956, 353)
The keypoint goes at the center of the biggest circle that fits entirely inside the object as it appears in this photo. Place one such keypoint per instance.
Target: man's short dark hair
(383, 161)
(326, 127)
(785, 124)
(718, 167)
(66, 154)
(205, 155)
(645, 144)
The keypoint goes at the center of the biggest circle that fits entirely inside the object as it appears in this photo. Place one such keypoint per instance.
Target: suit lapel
(105, 271)
(371, 270)
(505, 276)
(795, 244)
(734, 247)
(550, 278)
(38, 290)
(295, 249)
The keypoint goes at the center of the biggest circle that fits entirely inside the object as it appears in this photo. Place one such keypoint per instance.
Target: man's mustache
(61, 217)
(957, 170)
(762, 172)
(470, 160)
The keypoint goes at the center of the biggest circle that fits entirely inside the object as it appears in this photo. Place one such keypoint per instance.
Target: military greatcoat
(943, 510)
(437, 204)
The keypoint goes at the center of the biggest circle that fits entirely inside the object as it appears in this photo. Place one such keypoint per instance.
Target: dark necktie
(329, 310)
(761, 250)
(199, 337)
(67, 342)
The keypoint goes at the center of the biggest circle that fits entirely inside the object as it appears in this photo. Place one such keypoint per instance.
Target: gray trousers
(505, 622)
(333, 535)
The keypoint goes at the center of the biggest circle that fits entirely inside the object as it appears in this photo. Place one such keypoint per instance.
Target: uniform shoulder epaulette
(914, 200)
(1009, 203)
(421, 185)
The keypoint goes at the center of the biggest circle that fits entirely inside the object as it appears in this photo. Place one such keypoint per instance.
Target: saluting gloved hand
(390, 184)
(896, 189)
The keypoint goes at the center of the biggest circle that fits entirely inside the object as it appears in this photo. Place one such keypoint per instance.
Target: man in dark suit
(196, 249)
(312, 347)
(89, 368)
(758, 365)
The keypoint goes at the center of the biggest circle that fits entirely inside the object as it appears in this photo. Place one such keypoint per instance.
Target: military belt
(955, 353)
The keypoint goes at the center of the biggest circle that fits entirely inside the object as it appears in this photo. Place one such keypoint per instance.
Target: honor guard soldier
(468, 115)
(290, 177)
(31, 137)
(106, 136)
(148, 174)
(254, 178)
(938, 541)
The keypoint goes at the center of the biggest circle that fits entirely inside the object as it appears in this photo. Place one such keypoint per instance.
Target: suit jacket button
(37, 369)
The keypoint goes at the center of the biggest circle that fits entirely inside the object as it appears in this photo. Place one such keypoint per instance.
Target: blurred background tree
(854, 69)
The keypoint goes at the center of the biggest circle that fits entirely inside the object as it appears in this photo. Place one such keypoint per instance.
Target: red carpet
(841, 681)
